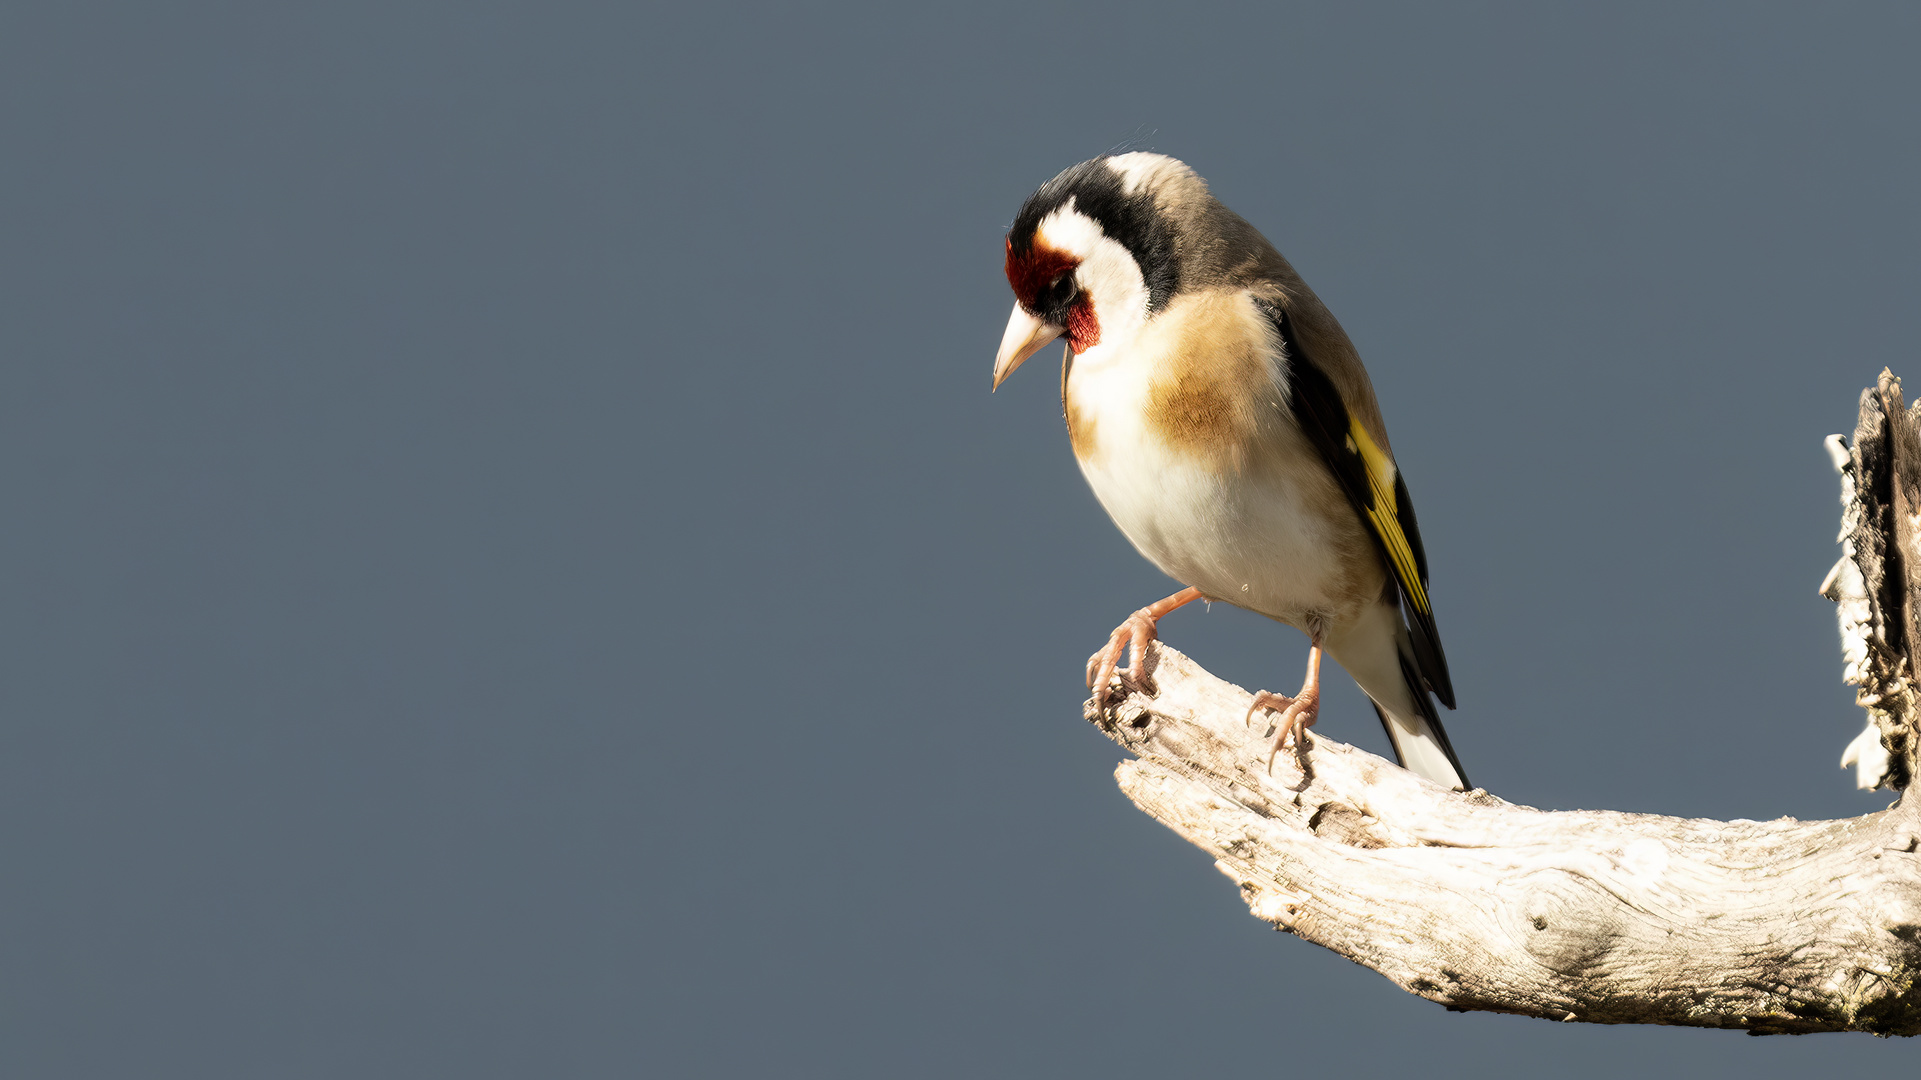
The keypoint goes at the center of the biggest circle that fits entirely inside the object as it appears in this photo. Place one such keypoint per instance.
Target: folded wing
(1375, 487)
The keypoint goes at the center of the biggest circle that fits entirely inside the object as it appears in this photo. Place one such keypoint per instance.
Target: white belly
(1251, 537)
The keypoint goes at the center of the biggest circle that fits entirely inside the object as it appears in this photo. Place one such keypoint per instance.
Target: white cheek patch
(1108, 273)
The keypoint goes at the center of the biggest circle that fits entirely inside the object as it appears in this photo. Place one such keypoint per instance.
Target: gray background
(510, 566)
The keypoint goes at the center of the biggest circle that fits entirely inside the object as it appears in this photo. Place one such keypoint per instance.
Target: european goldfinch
(1226, 424)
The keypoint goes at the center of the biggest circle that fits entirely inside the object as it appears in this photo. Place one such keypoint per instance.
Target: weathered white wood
(1877, 581)
(1780, 926)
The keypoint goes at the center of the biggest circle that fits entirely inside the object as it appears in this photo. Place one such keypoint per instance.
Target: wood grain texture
(1877, 582)
(1476, 903)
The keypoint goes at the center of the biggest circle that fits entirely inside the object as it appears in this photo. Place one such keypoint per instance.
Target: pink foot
(1136, 633)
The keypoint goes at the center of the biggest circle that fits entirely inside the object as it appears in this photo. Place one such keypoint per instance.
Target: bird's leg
(1139, 629)
(1299, 712)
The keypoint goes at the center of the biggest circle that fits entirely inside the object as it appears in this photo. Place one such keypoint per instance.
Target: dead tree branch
(1773, 927)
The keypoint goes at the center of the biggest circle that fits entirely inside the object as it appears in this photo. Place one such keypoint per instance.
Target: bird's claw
(1297, 715)
(1136, 633)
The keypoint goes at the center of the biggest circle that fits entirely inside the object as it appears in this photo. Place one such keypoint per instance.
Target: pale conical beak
(1025, 336)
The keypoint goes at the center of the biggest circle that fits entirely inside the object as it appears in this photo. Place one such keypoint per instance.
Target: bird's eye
(1063, 284)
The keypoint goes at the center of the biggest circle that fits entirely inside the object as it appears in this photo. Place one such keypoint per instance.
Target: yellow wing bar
(1383, 514)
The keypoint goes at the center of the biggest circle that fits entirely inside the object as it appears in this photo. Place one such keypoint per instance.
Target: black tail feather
(1418, 690)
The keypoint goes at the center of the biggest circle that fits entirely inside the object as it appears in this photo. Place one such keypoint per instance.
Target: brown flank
(1206, 400)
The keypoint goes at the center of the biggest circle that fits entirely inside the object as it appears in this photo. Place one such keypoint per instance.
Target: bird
(1224, 421)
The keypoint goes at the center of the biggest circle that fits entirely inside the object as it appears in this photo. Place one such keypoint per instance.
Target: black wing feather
(1389, 513)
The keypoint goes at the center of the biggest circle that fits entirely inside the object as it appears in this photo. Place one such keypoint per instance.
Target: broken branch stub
(1877, 583)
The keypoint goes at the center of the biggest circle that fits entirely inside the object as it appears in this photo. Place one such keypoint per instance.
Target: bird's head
(1093, 254)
